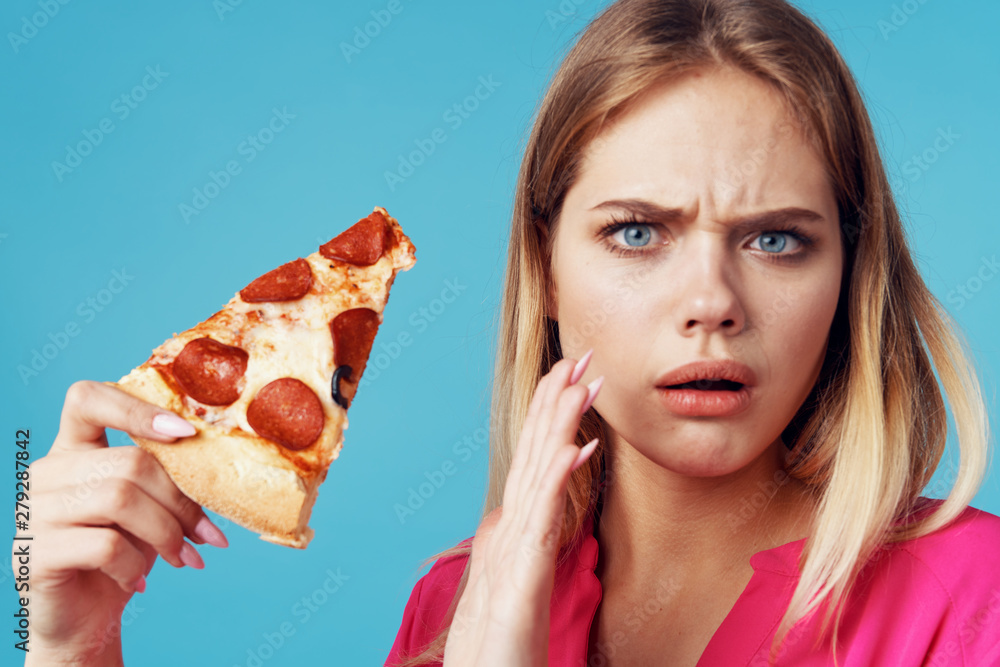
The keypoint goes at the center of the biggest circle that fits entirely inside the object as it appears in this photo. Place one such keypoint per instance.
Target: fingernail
(209, 532)
(172, 425)
(584, 454)
(191, 558)
(140, 584)
(580, 367)
(592, 389)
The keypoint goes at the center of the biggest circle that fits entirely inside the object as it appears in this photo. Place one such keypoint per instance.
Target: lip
(726, 369)
(707, 403)
(700, 403)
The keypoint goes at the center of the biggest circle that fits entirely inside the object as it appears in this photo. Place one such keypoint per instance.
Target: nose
(706, 289)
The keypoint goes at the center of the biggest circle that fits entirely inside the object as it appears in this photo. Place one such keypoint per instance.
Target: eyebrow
(651, 212)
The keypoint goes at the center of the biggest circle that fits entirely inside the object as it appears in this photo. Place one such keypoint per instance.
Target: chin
(702, 466)
(697, 457)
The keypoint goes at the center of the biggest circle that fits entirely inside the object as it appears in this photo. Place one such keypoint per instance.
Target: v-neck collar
(745, 633)
(748, 625)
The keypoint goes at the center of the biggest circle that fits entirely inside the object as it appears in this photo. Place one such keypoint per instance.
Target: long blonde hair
(869, 437)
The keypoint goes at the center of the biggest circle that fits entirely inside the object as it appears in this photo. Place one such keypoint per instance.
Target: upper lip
(707, 369)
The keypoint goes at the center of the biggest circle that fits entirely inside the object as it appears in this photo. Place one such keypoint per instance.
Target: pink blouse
(930, 601)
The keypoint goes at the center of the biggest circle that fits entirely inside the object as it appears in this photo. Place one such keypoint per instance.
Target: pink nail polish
(191, 558)
(584, 454)
(580, 367)
(172, 425)
(592, 389)
(209, 532)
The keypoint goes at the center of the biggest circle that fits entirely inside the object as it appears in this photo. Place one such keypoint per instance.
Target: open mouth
(708, 385)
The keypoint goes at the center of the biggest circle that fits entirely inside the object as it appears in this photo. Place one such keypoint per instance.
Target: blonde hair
(873, 430)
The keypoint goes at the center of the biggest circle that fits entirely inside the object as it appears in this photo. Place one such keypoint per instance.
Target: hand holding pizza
(242, 413)
(94, 542)
(502, 618)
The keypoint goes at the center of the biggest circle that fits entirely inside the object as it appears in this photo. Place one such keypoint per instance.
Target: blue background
(63, 236)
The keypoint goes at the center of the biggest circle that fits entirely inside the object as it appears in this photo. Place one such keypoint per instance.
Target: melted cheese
(292, 338)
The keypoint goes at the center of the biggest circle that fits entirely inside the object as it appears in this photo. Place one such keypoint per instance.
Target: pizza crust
(238, 476)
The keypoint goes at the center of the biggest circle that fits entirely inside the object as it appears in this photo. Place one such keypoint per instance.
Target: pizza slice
(268, 379)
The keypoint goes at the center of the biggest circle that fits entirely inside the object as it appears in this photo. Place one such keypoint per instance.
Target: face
(658, 261)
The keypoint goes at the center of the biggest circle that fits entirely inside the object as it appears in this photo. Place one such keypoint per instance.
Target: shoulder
(436, 589)
(964, 552)
(946, 586)
(425, 611)
(441, 581)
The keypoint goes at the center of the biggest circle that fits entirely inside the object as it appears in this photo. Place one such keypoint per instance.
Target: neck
(657, 525)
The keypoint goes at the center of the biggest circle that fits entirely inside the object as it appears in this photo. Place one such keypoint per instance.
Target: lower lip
(703, 403)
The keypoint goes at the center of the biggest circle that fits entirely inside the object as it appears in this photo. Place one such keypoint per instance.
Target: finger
(592, 388)
(542, 526)
(91, 406)
(542, 391)
(557, 382)
(581, 367)
(523, 447)
(89, 548)
(559, 457)
(567, 432)
(118, 502)
(574, 401)
(147, 550)
(93, 469)
(534, 427)
(564, 413)
(562, 427)
(585, 453)
(524, 443)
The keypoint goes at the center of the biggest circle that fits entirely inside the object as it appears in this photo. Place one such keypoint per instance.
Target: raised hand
(502, 619)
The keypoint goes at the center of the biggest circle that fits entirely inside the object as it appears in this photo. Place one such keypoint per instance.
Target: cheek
(792, 329)
(603, 308)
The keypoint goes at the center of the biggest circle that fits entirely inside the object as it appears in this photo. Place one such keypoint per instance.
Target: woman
(640, 244)
(674, 535)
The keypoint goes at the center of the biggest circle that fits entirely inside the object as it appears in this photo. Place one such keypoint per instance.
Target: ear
(551, 302)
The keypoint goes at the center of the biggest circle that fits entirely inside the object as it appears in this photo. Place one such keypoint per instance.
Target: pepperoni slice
(287, 412)
(208, 371)
(361, 244)
(353, 332)
(286, 283)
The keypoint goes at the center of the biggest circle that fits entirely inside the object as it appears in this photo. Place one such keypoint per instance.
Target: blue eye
(629, 238)
(636, 235)
(773, 241)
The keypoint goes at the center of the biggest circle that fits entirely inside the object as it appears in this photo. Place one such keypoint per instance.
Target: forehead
(719, 134)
